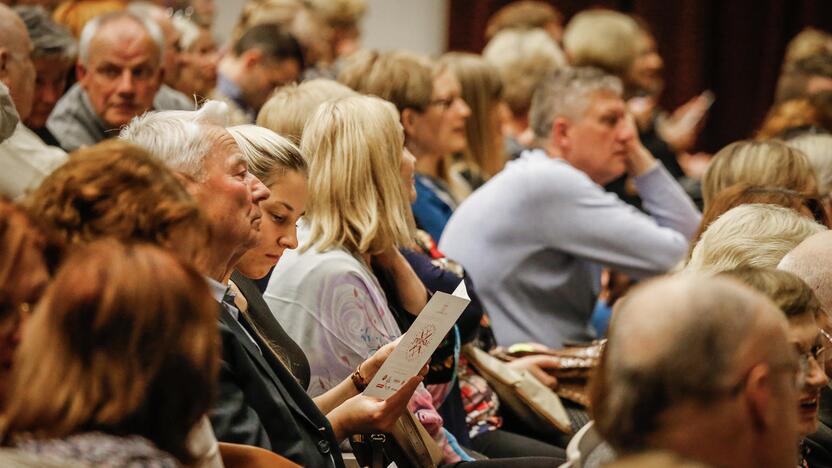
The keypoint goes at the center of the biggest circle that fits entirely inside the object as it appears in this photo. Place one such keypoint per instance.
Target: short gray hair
(567, 93)
(94, 25)
(715, 317)
(178, 138)
(48, 37)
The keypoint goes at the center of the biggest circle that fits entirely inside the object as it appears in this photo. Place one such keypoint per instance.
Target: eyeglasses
(446, 103)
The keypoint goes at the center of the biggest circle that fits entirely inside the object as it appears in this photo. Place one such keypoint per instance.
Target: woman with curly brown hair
(100, 374)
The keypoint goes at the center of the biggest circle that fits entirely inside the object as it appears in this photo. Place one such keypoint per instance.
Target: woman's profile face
(278, 225)
(439, 129)
(198, 66)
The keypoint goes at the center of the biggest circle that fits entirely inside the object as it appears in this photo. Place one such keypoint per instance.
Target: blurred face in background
(646, 74)
(52, 73)
(198, 66)
(439, 129)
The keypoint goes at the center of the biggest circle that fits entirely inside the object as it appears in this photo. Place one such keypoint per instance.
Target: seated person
(260, 401)
(24, 158)
(197, 60)
(753, 235)
(55, 52)
(802, 309)
(433, 116)
(119, 75)
(120, 334)
(659, 403)
(262, 59)
(546, 223)
(19, 293)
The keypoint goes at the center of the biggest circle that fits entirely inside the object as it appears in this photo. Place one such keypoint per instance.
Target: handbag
(534, 403)
(408, 445)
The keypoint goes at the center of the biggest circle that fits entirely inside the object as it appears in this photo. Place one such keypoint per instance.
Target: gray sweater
(533, 240)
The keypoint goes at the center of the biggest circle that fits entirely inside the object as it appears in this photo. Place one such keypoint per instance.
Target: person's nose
(626, 130)
(462, 108)
(126, 86)
(290, 240)
(816, 377)
(259, 191)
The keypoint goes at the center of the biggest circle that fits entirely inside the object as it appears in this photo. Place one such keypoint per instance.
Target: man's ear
(80, 72)
(559, 137)
(251, 57)
(758, 396)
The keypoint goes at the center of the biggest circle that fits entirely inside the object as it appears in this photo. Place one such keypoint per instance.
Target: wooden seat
(247, 456)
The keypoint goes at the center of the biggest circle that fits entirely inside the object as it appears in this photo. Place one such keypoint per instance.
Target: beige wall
(418, 25)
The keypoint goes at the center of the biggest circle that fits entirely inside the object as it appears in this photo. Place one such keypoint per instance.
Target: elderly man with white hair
(698, 371)
(119, 77)
(812, 262)
(24, 158)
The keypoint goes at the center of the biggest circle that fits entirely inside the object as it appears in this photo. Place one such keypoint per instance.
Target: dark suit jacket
(261, 403)
(819, 444)
(259, 313)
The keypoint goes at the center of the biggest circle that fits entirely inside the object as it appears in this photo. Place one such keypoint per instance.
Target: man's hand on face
(639, 160)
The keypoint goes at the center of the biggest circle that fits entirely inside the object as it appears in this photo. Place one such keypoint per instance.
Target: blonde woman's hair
(482, 90)
(753, 235)
(818, 148)
(267, 154)
(602, 38)
(340, 13)
(766, 163)
(525, 14)
(523, 58)
(401, 77)
(290, 106)
(357, 200)
(808, 42)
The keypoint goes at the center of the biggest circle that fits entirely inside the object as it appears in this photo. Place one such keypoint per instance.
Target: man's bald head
(680, 339)
(811, 260)
(16, 68)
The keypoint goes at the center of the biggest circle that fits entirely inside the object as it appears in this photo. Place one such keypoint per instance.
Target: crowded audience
(216, 252)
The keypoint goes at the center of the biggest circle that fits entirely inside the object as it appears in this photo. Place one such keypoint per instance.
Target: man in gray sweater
(535, 237)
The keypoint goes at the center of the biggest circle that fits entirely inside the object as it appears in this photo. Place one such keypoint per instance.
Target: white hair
(752, 235)
(94, 25)
(178, 138)
(818, 148)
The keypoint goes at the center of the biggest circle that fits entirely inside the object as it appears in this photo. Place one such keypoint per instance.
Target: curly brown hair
(116, 189)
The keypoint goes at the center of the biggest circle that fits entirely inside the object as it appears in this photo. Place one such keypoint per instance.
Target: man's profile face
(267, 75)
(122, 73)
(599, 142)
(229, 194)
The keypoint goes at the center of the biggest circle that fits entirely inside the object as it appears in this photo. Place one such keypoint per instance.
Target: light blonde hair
(766, 163)
(482, 90)
(357, 200)
(752, 235)
(523, 58)
(401, 77)
(525, 14)
(344, 14)
(602, 38)
(818, 149)
(290, 106)
(267, 154)
(808, 42)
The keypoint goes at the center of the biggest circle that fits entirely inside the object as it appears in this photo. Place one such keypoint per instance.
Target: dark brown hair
(124, 342)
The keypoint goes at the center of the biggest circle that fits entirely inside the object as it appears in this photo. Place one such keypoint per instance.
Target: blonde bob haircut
(766, 163)
(754, 235)
(602, 38)
(357, 200)
(290, 106)
(523, 58)
(268, 155)
(403, 78)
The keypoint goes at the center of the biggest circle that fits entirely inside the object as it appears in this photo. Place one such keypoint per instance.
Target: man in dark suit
(260, 401)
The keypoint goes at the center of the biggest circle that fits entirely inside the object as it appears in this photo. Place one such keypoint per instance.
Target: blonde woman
(482, 90)
(766, 163)
(433, 115)
(327, 295)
